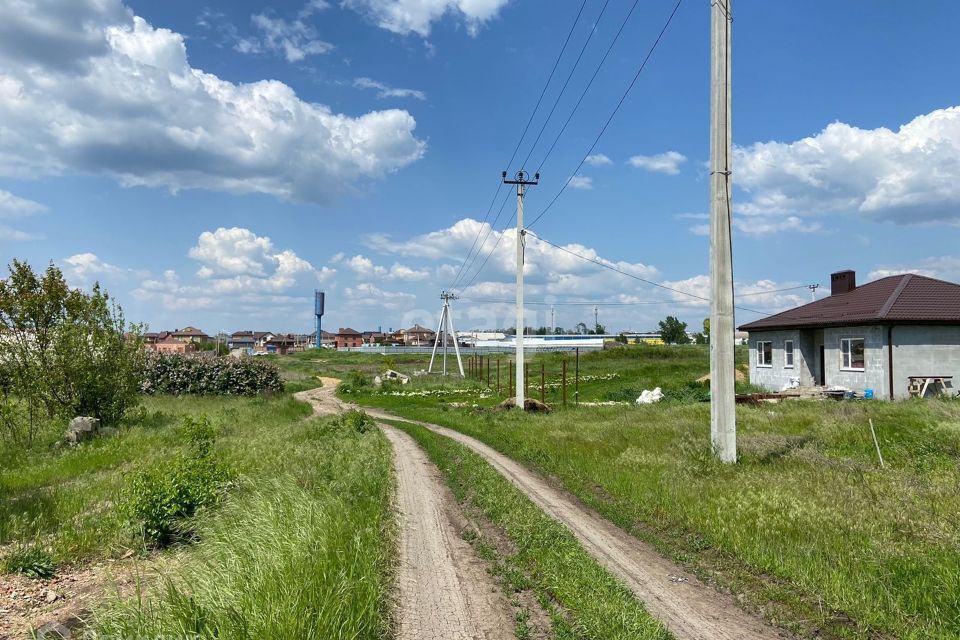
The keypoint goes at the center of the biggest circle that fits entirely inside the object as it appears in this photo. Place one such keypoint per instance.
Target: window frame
(847, 354)
(788, 363)
(767, 363)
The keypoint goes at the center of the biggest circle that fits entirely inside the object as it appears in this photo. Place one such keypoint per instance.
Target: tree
(672, 331)
(700, 338)
(64, 353)
(581, 328)
(706, 329)
(599, 329)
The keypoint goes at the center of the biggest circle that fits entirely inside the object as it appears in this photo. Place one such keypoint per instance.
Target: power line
(549, 78)
(614, 113)
(570, 304)
(487, 237)
(589, 84)
(520, 141)
(466, 257)
(630, 275)
(760, 293)
(566, 82)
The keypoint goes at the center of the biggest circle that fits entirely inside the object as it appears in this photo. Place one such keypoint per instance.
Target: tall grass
(584, 600)
(302, 551)
(65, 501)
(806, 526)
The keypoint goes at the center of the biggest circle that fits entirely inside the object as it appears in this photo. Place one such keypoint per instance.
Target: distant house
(373, 337)
(883, 335)
(418, 336)
(280, 344)
(190, 334)
(172, 345)
(241, 340)
(347, 338)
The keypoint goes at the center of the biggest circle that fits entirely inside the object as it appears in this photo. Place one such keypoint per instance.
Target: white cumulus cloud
(386, 91)
(295, 39)
(598, 160)
(581, 182)
(668, 162)
(88, 87)
(417, 16)
(906, 176)
(14, 206)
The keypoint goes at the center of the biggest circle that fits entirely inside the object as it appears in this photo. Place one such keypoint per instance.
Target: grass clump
(31, 561)
(583, 599)
(300, 550)
(162, 499)
(357, 421)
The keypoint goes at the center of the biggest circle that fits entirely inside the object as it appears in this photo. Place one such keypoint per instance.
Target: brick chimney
(843, 282)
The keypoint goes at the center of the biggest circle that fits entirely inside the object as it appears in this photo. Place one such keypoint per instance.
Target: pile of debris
(84, 428)
(390, 374)
(529, 404)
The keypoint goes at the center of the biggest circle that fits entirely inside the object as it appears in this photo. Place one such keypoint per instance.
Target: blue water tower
(318, 301)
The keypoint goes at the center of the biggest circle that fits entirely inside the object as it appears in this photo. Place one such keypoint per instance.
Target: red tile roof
(903, 299)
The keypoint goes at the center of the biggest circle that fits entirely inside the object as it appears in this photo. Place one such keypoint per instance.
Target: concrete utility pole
(596, 318)
(446, 329)
(553, 320)
(522, 182)
(723, 417)
(813, 291)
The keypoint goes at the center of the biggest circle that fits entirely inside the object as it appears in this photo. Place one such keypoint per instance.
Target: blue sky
(211, 164)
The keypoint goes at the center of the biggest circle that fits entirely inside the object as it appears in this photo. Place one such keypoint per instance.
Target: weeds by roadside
(582, 599)
(302, 548)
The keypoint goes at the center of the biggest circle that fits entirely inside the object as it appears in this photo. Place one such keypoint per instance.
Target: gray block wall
(874, 376)
(921, 350)
(776, 376)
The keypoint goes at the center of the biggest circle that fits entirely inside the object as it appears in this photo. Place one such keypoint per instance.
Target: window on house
(852, 353)
(764, 353)
(788, 354)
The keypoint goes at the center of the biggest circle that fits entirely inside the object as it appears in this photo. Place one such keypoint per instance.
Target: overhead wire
(567, 81)
(631, 275)
(603, 130)
(587, 88)
(519, 142)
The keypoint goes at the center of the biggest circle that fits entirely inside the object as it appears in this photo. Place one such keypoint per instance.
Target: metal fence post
(564, 380)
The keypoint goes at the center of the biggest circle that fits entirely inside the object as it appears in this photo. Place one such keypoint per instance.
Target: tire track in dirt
(444, 590)
(690, 609)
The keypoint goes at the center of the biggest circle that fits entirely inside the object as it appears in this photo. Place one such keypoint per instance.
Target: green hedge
(205, 375)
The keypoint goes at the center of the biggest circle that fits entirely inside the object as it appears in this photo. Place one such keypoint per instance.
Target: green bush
(203, 375)
(358, 421)
(30, 561)
(162, 499)
(354, 382)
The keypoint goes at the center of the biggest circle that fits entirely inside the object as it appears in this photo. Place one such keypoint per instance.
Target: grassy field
(807, 526)
(308, 505)
(303, 550)
(581, 598)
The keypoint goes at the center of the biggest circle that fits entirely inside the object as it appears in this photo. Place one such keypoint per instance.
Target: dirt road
(687, 607)
(444, 591)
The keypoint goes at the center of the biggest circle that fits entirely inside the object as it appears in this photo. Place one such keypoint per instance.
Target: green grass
(616, 375)
(301, 545)
(807, 526)
(584, 601)
(66, 501)
(807, 514)
(302, 550)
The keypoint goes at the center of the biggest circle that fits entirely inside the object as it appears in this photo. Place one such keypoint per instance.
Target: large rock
(390, 374)
(81, 428)
(529, 404)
